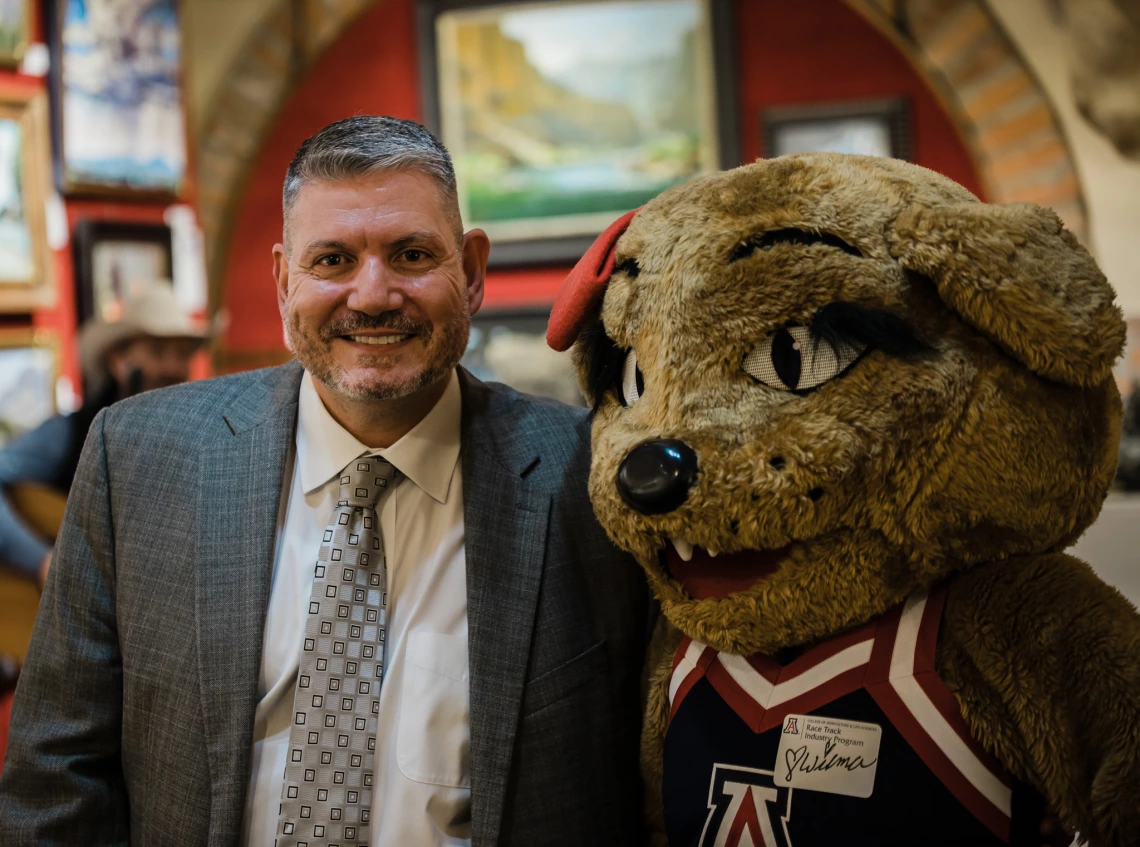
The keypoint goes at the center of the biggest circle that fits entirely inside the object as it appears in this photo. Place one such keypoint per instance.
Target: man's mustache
(395, 321)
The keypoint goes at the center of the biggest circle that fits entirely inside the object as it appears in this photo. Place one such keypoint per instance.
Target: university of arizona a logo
(790, 727)
(746, 809)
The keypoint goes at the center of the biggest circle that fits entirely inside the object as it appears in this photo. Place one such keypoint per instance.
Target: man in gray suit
(195, 679)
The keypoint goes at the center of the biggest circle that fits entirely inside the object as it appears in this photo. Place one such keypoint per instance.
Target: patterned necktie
(327, 796)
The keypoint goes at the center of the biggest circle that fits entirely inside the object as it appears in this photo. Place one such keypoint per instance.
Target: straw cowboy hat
(154, 312)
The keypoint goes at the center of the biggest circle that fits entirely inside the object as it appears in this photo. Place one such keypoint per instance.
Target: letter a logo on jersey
(746, 810)
(790, 727)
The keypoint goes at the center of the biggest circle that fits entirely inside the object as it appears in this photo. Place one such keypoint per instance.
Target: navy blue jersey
(933, 784)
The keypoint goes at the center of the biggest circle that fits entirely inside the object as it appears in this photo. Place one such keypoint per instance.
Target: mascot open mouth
(703, 576)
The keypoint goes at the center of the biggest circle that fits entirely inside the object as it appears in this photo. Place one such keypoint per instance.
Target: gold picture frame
(15, 28)
(26, 281)
(29, 370)
(549, 147)
(107, 144)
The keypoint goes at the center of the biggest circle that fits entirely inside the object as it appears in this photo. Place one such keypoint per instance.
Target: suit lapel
(505, 526)
(241, 479)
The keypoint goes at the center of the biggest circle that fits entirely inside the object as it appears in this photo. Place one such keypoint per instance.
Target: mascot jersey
(767, 755)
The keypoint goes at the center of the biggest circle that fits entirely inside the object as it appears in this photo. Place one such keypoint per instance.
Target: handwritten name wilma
(800, 759)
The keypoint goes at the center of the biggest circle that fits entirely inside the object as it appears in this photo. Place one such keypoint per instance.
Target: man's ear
(281, 276)
(476, 249)
(1014, 273)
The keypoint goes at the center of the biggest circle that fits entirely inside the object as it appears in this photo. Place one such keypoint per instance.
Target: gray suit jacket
(133, 718)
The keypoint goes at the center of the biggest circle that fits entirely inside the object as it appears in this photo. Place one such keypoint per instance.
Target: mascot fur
(848, 418)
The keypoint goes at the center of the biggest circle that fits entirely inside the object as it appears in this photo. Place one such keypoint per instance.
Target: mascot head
(823, 382)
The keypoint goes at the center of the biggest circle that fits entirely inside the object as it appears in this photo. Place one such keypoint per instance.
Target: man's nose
(376, 288)
(656, 476)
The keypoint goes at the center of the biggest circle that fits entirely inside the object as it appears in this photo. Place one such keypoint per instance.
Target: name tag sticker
(827, 754)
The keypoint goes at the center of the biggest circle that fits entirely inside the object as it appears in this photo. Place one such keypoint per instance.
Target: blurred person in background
(149, 346)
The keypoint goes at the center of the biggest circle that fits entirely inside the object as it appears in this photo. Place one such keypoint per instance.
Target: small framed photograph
(867, 128)
(114, 261)
(552, 137)
(29, 366)
(15, 25)
(116, 78)
(509, 346)
(25, 259)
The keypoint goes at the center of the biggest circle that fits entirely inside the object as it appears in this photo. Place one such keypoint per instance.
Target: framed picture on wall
(865, 127)
(116, 78)
(560, 117)
(29, 365)
(15, 25)
(25, 259)
(115, 260)
(509, 346)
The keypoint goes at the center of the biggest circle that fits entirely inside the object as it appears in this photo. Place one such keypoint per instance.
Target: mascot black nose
(656, 476)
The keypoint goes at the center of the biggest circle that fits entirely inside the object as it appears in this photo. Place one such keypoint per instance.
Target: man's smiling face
(372, 286)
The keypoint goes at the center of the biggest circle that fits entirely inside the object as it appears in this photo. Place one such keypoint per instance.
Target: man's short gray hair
(365, 144)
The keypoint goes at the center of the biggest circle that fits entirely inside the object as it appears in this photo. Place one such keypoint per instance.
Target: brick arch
(1002, 112)
(273, 60)
(1000, 108)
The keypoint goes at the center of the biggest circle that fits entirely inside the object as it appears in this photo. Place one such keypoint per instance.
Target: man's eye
(414, 255)
(330, 261)
(796, 359)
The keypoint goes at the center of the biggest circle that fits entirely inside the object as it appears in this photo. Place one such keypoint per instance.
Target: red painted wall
(817, 51)
(788, 52)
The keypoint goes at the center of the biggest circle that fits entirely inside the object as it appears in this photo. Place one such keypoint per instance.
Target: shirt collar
(426, 454)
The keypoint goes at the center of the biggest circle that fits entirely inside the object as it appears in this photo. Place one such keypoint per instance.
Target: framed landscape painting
(15, 24)
(25, 260)
(560, 117)
(864, 127)
(117, 85)
(29, 365)
(509, 346)
(116, 260)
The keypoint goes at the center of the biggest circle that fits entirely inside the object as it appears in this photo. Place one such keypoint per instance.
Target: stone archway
(998, 105)
(284, 46)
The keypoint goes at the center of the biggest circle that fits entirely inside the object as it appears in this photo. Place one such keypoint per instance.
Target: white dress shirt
(422, 792)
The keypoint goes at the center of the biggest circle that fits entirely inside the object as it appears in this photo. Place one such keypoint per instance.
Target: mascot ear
(582, 292)
(1014, 273)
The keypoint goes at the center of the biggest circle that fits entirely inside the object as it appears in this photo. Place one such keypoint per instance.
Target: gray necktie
(327, 797)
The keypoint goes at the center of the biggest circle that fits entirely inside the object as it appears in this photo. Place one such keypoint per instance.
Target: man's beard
(446, 345)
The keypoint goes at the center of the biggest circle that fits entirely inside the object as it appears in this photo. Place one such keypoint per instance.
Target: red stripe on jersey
(766, 666)
(706, 658)
(947, 706)
(751, 712)
(931, 754)
(816, 655)
(928, 632)
(805, 704)
(682, 649)
(879, 668)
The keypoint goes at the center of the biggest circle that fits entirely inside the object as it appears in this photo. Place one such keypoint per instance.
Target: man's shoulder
(204, 405)
(525, 410)
(559, 432)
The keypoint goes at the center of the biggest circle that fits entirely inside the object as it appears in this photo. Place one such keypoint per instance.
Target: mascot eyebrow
(767, 240)
(837, 324)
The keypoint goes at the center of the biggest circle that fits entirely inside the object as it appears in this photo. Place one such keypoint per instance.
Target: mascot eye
(632, 383)
(796, 359)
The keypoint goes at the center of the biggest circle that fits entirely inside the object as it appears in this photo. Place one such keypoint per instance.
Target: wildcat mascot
(848, 418)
